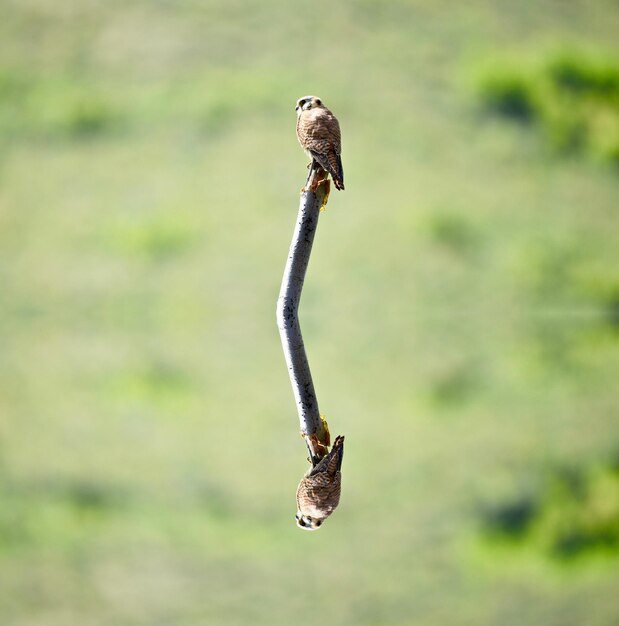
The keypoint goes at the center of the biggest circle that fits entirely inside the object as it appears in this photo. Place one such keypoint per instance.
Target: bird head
(308, 523)
(308, 102)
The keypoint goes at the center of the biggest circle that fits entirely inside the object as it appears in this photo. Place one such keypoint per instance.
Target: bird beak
(302, 522)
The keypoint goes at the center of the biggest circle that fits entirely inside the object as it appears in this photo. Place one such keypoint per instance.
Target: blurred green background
(461, 312)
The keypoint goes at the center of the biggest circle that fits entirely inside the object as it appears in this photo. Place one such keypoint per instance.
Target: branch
(313, 427)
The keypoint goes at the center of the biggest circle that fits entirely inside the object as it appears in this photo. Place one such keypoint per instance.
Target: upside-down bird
(318, 493)
(318, 132)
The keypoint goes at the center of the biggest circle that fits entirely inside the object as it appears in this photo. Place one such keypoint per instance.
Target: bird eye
(318, 522)
(318, 102)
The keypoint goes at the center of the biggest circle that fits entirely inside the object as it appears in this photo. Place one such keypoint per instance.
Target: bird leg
(311, 166)
(320, 176)
(317, 449)
(316, 177)
(318, 443)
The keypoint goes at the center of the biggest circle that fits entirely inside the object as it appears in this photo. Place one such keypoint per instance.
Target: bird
(318, 132)
(318, 493)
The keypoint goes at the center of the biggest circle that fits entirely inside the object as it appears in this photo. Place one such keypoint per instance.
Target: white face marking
(306, 522)
(306, 103)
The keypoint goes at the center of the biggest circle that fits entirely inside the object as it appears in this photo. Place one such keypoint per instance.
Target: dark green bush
(582, 75)
(572, 97)
(508, 94)
(574, 513)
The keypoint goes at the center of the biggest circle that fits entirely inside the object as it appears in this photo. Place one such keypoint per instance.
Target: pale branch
(313, 427)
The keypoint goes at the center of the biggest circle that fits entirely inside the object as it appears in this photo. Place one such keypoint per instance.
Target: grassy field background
(461, 314)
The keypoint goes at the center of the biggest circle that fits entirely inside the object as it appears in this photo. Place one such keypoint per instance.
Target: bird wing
(332, 462)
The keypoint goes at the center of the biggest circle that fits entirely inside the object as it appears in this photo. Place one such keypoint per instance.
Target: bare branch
(313, 428)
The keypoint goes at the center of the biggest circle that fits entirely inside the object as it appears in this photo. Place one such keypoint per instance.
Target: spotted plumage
(318, 132)
(318, 493)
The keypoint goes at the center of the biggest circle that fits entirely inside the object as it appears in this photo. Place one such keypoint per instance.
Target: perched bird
(318, 132)
(318, 493)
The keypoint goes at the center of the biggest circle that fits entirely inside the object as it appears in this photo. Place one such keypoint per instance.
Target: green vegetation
(572, 97)
(574, 515)
(461, 313)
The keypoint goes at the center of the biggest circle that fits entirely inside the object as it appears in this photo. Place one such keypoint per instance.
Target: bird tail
(332, 462)
(339, 179)
(336, 454)
(333, 165)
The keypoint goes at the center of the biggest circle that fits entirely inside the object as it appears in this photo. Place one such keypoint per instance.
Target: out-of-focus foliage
(571, 96)
(575, 513)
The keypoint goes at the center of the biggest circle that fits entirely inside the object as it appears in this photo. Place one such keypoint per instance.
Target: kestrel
(318, 493)
(318, 132)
